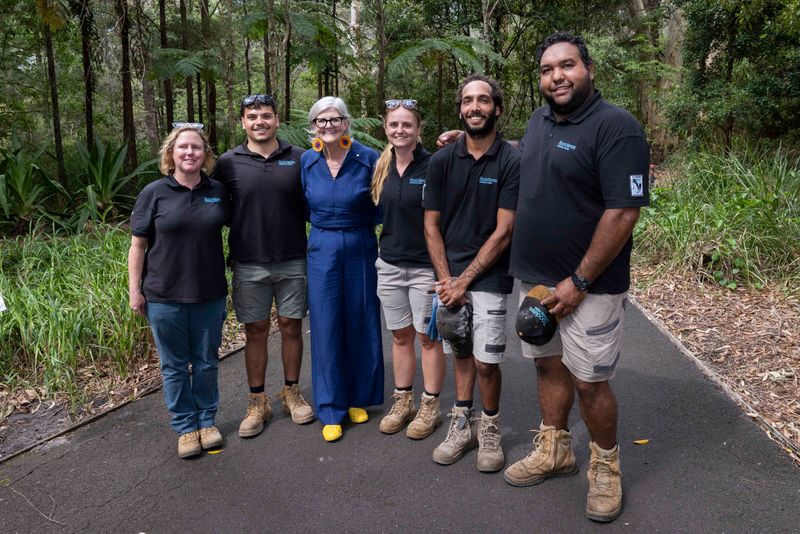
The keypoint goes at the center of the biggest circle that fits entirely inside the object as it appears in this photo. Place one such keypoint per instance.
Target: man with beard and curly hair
(469, 198)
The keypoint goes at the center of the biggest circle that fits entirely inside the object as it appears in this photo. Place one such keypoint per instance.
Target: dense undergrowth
(733, 218)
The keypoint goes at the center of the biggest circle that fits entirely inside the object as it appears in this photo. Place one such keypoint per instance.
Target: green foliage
(24, 187)
(67, 307)
(734, 217)
(104, 182)
(295, 131)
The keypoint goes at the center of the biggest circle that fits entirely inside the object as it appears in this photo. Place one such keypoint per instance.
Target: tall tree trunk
(128, 126)
(228, 55)
(380, 37)
(287, 57)
(141, 62)
(274, 63)
(189, 82)
(358, 48)
(247, 45)
(53, 82)
(199, 98)
(335, 67)
(169, 102)
(439, 92)
(211, 83)
(87, 27)
(267, 76)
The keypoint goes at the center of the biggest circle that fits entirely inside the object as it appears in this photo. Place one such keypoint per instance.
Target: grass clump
(732, 217)
(67, 302)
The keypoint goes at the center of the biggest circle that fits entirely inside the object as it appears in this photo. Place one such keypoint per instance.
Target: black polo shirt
(468, 193)
(572, 171)
(402, 240)
(184, 261)
(268, 211)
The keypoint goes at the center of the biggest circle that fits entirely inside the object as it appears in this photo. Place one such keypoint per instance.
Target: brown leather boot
(258, 412)
(604, 501)
(551, 457)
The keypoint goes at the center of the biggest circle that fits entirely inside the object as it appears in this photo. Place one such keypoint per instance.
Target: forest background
(89, 88)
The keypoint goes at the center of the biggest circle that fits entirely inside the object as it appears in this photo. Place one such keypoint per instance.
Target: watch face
(581, 283)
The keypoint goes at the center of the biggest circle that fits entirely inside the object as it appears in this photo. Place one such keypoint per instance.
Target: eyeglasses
(396, 103)
(263, 100)
(333, 121)
(192, 125)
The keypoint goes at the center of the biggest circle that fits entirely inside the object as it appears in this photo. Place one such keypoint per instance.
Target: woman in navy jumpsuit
(346, 351)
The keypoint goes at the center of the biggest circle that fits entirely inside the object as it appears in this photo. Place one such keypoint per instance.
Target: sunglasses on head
(264, 100)
(395, 103)
(193, 125)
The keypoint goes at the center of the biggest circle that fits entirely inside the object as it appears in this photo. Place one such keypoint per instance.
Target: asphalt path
(707, 467)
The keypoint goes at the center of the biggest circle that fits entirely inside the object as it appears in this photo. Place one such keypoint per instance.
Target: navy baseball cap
(535, 324)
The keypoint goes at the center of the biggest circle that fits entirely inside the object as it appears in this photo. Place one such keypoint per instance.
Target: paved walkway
(707, 468)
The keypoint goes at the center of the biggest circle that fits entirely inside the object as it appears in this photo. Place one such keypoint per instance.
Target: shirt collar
(283, 146)
(205, 181)
(579, 114)
(461, 147)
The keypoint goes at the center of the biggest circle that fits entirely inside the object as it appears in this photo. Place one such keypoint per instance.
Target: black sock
(409, 388)
(490, 413)
(428, 393)
(257, 389)
(290, 383)
(464, 403)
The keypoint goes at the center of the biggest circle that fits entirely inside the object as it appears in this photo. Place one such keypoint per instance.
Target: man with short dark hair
(469, 199)
(584, 177)
(268, 255)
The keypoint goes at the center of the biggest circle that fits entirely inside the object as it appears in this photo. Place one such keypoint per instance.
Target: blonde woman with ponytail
(405, 272)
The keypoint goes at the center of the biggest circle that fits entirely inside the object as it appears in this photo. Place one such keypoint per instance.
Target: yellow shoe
(331, 432)
(358, 415)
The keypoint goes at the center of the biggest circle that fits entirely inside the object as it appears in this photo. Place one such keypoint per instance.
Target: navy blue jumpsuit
(346, 350)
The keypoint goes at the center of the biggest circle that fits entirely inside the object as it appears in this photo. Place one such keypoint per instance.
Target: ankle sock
(409, 388)
(464, 403)
(290, 383)
(428, 393)
(490, 413)
(257, 389)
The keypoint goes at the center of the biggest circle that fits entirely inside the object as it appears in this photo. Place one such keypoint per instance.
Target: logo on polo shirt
(563, 145)
(286, 162)
(485, 180)
(211, 199)
(637, 185)
(416, 181)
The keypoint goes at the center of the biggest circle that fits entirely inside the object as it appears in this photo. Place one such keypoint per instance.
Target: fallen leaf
(215, 452)
(641, 441)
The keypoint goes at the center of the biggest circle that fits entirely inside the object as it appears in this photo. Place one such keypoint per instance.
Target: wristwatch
(580, 282)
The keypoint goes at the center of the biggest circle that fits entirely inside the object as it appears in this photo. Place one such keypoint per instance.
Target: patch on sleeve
(637, 185)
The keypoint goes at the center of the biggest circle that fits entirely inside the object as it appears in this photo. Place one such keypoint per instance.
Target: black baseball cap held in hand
(535, 324)
(454, 324)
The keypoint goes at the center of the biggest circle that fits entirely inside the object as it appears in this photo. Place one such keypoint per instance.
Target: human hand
(448, 137)
(138, 303)
(565, 298)
(452, 291)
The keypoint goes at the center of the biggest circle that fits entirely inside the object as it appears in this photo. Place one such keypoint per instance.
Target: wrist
(580, 283)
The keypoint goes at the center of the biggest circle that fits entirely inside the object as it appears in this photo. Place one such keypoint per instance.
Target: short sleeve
(142, 215)
(432, 190)
(623, 168)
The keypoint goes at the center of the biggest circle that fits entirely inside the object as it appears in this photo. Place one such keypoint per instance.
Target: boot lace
(425, 412)
(397, 407)
(490, 437)
(602, 473)
(459, 424)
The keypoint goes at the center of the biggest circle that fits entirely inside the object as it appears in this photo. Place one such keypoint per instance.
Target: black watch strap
(580, 282)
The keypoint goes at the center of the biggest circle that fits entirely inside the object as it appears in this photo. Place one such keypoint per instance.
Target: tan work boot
(428, 418)
(490, 448)
(295, 405)
(461, 437)
(604, 501)
(189, 444)
(210, 438)
(551, 457)
(402, 411)
(258, 412)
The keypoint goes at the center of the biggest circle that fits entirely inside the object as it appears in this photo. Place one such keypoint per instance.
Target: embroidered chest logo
(637, 185)
(486, 180)
(211, 199)
(416, 181)
(286, 162)
(563, 145)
